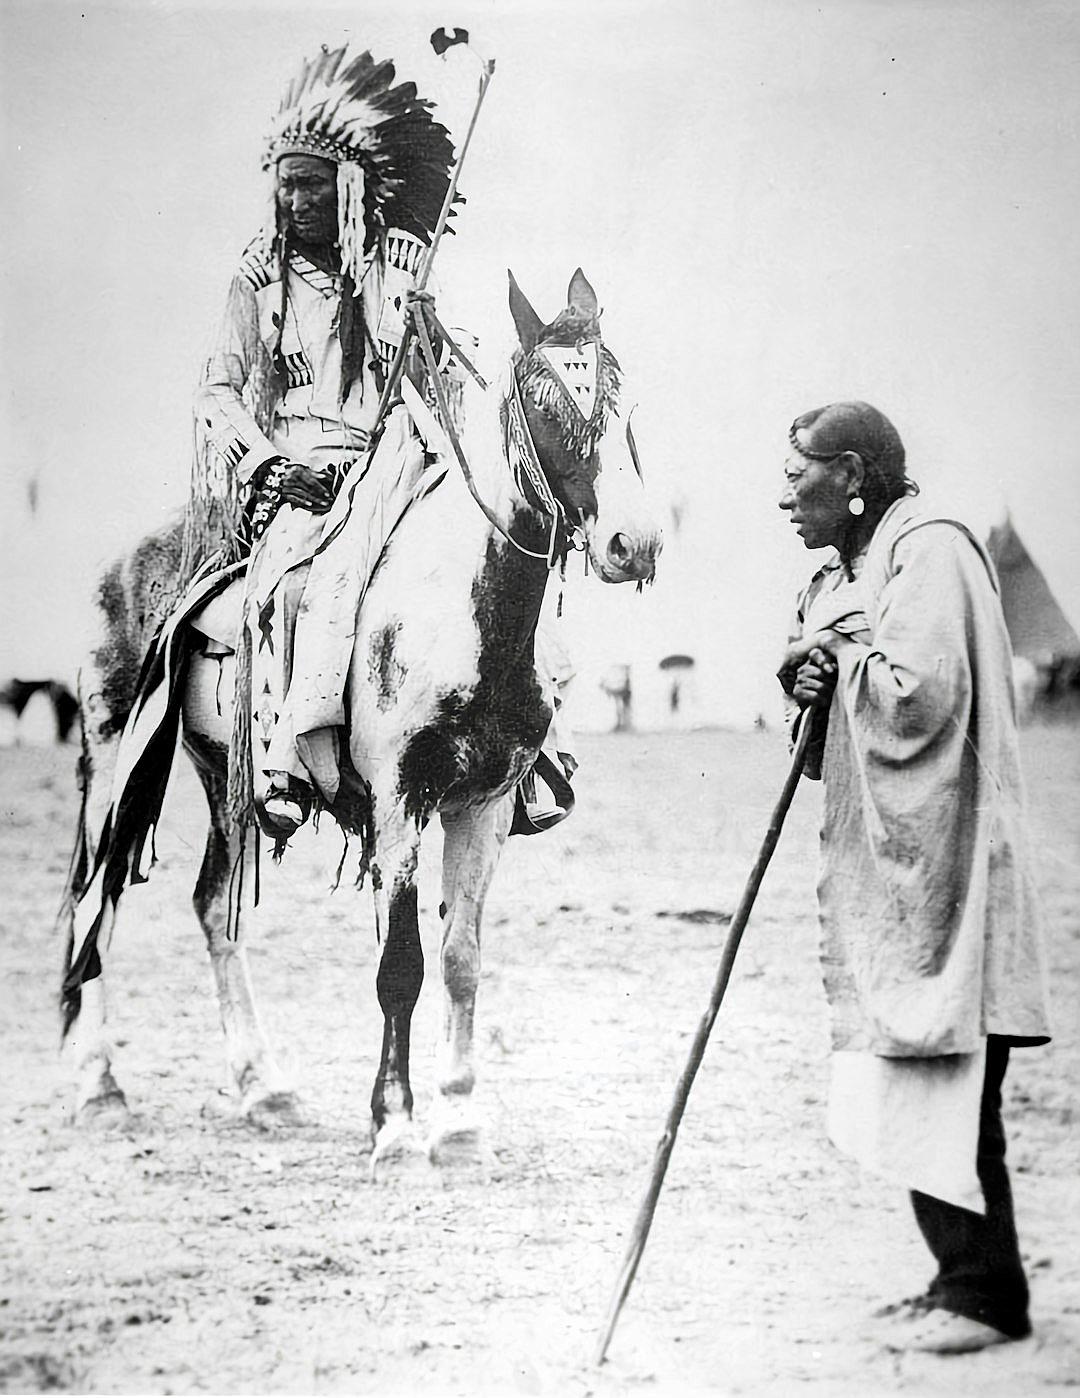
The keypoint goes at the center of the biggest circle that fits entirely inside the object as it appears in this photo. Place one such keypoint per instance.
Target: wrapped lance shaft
(487, 69)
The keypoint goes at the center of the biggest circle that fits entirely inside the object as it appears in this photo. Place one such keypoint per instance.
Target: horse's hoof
(456, 1142)
(398, 1151)
(463, 1152)
(107, 1110)
(274, 1111)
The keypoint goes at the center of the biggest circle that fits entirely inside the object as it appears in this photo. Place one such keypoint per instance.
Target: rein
(522, 436)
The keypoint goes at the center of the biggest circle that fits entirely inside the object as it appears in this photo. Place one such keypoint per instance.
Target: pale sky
(780, 204)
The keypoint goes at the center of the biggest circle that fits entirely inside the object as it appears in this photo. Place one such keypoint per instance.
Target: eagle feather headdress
(393, 159)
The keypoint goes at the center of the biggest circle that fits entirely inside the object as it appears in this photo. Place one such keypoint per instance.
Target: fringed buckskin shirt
(930, 933)
(245, 417)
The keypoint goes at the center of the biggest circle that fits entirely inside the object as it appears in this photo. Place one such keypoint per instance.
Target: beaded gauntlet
(265, 499)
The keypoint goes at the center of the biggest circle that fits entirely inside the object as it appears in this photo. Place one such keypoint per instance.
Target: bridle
(520, 451)
(519, 448)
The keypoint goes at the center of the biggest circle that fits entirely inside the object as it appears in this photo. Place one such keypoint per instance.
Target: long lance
(487, 68)
(666, 1144)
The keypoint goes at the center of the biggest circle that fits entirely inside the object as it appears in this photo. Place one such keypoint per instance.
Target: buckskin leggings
(980, 1274)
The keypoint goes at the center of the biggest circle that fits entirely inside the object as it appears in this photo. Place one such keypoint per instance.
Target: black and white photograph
(540, 698)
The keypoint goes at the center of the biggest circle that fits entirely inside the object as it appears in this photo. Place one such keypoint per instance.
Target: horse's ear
(582, 295)
(526, 320)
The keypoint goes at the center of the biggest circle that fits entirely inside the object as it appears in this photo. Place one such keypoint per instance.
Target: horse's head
(564, 426)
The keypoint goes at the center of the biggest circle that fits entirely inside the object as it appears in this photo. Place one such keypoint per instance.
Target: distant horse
(445, 715)
(17, 695)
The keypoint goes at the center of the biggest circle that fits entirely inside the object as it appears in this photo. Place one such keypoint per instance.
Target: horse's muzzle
(627, 557)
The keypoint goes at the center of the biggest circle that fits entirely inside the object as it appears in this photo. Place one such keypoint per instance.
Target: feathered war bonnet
(393, 168)
(393, 159)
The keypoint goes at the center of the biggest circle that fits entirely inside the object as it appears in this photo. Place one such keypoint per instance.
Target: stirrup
(531, 817)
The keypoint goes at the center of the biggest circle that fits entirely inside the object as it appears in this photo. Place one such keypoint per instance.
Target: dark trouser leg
(980, 1274)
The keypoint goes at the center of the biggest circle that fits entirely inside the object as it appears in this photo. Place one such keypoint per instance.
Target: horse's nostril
(619, 549)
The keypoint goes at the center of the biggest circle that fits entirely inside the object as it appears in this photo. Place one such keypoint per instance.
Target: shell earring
(856, 505)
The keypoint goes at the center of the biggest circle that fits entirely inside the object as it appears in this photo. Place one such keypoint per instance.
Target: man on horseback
(327, 624)
(311, 447)
(289, 414)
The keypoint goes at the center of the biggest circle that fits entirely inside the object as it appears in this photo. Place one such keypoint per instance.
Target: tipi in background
(1044, 640)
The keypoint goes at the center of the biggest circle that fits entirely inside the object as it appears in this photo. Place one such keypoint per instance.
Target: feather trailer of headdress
(393, 157)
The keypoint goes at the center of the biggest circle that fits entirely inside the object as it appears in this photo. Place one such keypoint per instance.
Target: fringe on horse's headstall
(539, 381)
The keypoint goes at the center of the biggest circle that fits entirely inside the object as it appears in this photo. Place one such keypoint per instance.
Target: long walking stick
(666, 1144)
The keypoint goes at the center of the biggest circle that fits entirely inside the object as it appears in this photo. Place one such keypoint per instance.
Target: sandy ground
(193, 1254)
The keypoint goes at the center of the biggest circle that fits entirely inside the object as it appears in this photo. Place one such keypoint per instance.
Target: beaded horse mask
(571, 381)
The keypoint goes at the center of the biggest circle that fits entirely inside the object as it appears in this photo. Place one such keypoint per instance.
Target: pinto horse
(445, 712)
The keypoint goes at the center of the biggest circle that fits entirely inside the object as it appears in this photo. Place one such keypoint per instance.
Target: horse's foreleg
(263, 1092)
(400, 976)
(472, 844)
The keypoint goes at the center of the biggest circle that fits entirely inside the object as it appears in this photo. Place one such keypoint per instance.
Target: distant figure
(1026, 687)
(680, 670)
(930, 936)
(616, 683)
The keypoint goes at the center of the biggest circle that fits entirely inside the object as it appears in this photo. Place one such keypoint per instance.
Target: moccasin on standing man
(930, 932)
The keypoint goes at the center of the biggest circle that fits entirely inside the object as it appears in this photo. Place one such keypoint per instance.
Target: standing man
(289, 398)
(930, 939)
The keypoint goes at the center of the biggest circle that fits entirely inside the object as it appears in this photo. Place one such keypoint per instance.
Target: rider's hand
(302, 487)
(426, 302)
